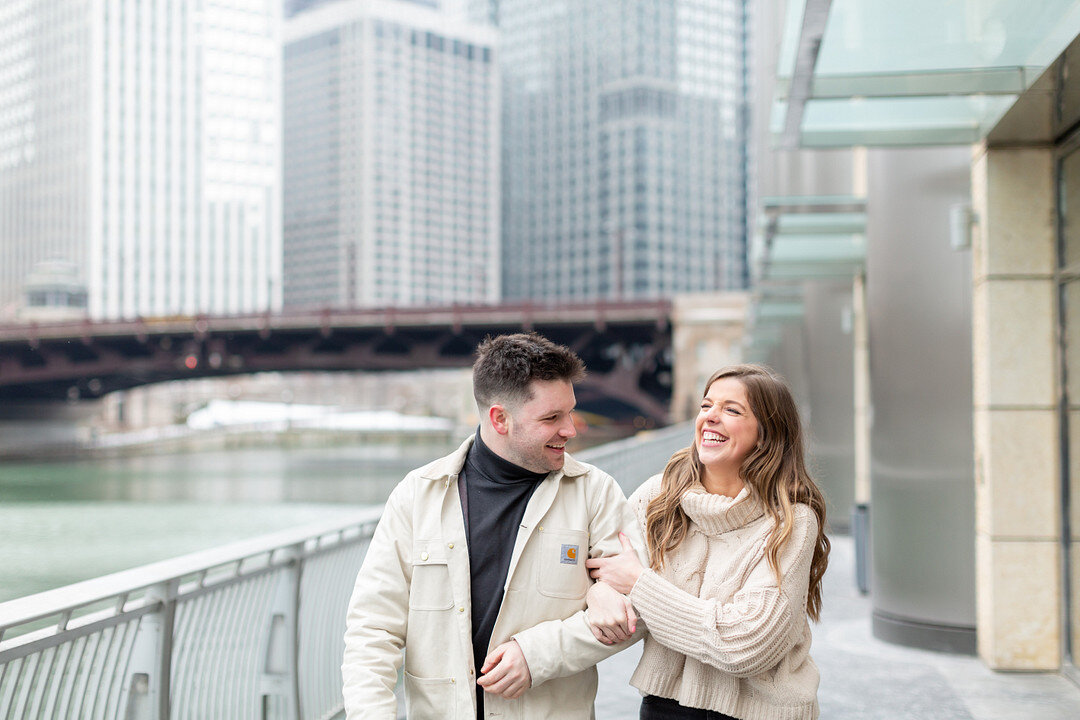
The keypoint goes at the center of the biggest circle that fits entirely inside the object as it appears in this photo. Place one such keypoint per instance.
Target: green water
(62, 522)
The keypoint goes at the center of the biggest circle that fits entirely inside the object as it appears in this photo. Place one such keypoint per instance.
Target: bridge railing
(249, 630)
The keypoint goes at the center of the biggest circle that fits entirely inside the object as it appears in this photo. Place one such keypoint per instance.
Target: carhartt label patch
(569, 555)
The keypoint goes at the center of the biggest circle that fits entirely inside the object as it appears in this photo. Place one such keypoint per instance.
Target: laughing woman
(737, 549)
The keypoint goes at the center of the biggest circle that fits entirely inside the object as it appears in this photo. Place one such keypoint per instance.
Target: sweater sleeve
(753, 631)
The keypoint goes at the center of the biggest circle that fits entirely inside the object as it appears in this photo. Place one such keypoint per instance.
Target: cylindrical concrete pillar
(922, 470)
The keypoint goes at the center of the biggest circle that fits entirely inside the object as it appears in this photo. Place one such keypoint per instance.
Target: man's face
(539, 428)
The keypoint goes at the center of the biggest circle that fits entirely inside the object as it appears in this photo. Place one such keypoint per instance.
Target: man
(477, 567)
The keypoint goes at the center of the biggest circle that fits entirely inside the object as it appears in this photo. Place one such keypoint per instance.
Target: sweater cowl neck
(716, 514)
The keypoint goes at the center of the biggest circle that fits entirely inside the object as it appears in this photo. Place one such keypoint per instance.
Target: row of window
(432, 41)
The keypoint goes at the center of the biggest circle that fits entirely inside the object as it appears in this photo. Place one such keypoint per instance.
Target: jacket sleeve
(378, 614)
(558, 648)
(754, 630)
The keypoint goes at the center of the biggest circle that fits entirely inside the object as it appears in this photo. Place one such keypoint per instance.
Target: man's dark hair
(506, 364)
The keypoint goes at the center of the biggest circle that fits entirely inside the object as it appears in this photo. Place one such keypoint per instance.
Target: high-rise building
(141, 143)
(292, 7)
(625, 146)
(391, 157)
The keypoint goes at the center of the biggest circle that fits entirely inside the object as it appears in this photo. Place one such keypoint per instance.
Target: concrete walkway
(863, 678)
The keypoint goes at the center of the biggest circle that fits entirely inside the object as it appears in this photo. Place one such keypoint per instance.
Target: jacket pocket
(430, 589)
(429, 698)
(561, 571)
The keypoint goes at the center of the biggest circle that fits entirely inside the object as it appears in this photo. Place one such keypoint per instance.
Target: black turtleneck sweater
(497, 492)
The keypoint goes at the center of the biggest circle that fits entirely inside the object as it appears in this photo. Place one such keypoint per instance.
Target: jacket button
(424, 556)
(450, 545)
(453, 681)
(461, 609)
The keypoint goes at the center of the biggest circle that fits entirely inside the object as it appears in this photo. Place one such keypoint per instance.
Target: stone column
(1016, 425)
(707, 334)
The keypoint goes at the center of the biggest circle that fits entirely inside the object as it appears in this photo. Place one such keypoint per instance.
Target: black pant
(658, 708)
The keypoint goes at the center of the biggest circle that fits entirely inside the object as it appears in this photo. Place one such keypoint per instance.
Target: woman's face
(726, 431)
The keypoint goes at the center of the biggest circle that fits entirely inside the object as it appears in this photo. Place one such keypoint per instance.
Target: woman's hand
(619, 571)
(610, 614)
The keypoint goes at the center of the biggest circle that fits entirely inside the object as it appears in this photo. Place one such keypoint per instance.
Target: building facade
(956, 129)
(141, 143)
(292, 7)
(625, 157)
(391, 157)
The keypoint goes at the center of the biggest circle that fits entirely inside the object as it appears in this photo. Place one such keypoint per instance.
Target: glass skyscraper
(625, 128)
(140, 143)
(292, 7)
(391, 157)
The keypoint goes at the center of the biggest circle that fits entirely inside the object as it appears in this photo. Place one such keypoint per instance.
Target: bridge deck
(625, 345)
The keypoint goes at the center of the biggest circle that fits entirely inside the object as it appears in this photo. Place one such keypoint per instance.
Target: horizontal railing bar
(53, 602)
(324, 549)
(30, 643)
(184, 595)
(618, 447)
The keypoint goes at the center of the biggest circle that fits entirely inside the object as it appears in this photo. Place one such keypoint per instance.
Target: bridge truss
(626, 347)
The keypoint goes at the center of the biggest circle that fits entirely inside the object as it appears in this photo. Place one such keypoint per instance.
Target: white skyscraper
(391, 157)
(141, 142)
(625, 146)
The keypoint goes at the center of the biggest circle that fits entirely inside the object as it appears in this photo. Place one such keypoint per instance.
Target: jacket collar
(447, 466)
(450, 465)
(572, 468)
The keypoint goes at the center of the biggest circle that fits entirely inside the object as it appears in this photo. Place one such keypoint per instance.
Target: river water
(62, 522)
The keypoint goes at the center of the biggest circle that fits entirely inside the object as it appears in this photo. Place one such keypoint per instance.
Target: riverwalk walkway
(863, 678)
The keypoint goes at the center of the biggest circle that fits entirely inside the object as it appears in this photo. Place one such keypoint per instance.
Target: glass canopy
(878, 72)
(811, 238)
(802, 239)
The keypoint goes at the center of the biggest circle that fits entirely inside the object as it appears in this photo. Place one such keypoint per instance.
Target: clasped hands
(610, 613)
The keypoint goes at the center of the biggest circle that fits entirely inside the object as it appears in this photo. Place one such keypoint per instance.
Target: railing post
(147, 683)
(280, 674)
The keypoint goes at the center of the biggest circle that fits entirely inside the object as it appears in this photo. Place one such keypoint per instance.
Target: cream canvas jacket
(412, 594)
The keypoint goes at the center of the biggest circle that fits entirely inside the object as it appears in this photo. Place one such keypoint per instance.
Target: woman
(737, 549)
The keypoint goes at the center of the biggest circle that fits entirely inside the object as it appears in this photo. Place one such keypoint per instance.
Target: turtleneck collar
(717, 514)
(483, 460)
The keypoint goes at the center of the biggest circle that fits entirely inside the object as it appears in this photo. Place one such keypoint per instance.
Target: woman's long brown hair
(774, 473)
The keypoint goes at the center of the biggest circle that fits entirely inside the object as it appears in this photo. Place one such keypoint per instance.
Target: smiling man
(476, 569)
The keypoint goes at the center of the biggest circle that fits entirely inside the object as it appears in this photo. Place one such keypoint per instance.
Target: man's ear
(500, 419)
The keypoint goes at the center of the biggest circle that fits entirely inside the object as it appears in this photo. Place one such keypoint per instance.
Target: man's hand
(610, 614)
(505, 671)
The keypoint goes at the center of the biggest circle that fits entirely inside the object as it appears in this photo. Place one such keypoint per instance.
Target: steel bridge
(625, 345)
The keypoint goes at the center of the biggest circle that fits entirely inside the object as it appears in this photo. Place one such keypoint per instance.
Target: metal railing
(634, 460)
(250, 630)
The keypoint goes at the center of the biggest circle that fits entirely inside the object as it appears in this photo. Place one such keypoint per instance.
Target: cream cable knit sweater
(722, 635)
